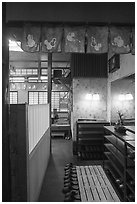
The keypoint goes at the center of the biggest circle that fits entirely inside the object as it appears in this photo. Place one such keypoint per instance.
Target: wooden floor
(94, 185)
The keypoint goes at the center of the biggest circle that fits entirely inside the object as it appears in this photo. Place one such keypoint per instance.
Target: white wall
(83, 108)
(127, 107)
(127, 67)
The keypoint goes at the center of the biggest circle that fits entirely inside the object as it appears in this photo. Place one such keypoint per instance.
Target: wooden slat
(98, 186)
(81, 185)
(103, 186)
(94, 185)
(108, 184)
(86, 185)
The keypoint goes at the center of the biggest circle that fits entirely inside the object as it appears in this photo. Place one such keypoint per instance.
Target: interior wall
(83, 108)
(23, 93)
(127, 67)
(118, 87)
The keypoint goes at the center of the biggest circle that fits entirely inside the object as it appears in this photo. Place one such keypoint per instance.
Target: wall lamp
(125, 97)
(93, 97)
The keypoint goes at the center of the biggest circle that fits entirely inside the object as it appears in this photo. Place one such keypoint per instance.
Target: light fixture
(96, 97)
(128, 97)
(88, 96)
(121, 97)
(125, 97)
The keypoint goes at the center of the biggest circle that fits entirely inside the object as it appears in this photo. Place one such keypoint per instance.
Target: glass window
(60, 101)
(37, 97)
(13, 97)
(23, 71)
(44, 71)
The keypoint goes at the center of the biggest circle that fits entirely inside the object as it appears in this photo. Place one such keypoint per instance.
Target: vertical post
(6, 170)
(125, 168)
(49, 89)
(39, 66)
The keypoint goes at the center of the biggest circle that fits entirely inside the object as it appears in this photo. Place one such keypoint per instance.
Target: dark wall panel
(89, 65)
(103, 12)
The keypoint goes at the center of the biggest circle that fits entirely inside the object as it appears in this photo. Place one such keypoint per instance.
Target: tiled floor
(53, 182)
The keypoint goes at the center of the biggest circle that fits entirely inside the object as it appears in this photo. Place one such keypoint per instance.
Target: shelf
(89, 156)
(90, 148)
(89, 139)
(120, 166)
(113, 172)
(120, 193)
(111, 159)
(132, 189)
(130, 163)
(120, 145)
(129, 200)
(111, 139)
(131, 172)
(116, 153)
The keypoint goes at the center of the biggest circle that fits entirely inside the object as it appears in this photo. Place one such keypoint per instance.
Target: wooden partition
(39, 147)
(29, 150)
(38, 123)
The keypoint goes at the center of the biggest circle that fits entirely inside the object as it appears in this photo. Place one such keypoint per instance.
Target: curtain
(97, 39)
(31, 38)
(120, 40)
(15, 34)
(51, 38)
(74, 39)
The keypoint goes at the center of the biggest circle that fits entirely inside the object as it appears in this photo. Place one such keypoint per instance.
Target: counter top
(93, 121)
(130, 128)
(131, 144)
(129, 136)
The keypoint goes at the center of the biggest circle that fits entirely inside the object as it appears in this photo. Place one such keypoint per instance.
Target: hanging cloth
(31, 38)
(120, 40)
(133, 41)
(97, 39)
(15, 34)
(74, 39)
(51, 38)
